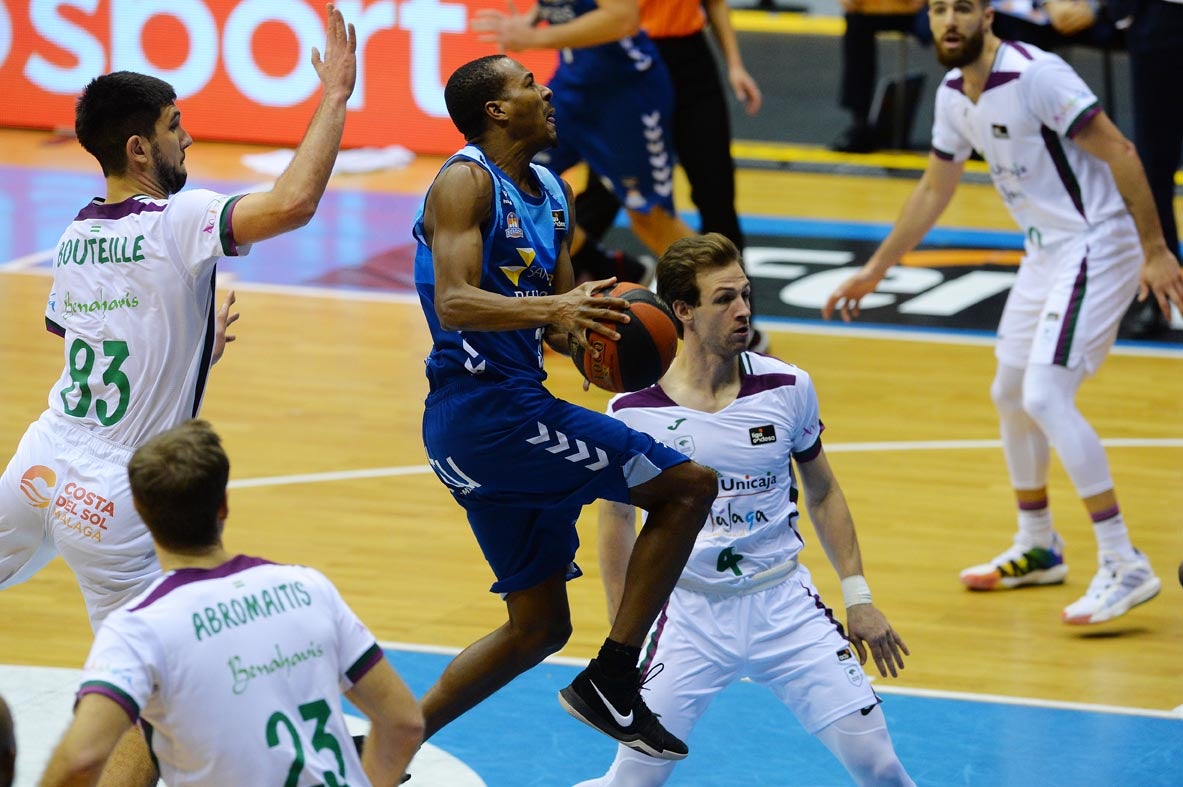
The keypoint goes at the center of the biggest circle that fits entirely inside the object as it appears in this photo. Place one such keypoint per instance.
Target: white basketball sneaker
(1018, 566)
(1120, 585)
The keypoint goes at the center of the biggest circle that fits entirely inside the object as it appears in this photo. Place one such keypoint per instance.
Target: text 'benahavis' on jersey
(237, 672)
(133, 297)
(752, 531)
(613, 63)
(1022, 125)
(521, 244)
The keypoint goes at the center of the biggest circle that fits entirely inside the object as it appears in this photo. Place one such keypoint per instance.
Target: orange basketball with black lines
(644, 351)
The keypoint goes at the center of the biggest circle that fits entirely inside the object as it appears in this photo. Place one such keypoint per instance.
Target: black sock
(617, 660)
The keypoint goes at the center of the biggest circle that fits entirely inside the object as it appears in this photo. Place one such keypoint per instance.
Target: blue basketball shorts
(623, 132)
(523, 464)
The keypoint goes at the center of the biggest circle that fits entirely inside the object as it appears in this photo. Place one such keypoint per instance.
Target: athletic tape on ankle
(855, 590)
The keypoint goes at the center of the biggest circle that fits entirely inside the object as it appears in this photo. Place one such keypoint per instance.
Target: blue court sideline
(521, 737)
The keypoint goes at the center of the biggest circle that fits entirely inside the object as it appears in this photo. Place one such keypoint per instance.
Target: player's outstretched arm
(396, 723)
(293, 200)
(921, 210)
(1161, 274)
(611, 21)
(866, 626)
(99, 723)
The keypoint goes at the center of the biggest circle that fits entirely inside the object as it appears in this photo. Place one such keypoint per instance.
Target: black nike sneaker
(614, 707)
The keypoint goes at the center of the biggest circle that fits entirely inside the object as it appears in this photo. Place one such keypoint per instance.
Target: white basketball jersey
(133, 297)
(752, 527)
(1022, 125)
(237, 672)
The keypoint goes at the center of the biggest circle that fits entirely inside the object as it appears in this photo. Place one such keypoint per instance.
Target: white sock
(1035, 528)
(1112, 536)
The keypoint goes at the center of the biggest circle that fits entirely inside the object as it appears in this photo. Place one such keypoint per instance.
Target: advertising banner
(241, 67)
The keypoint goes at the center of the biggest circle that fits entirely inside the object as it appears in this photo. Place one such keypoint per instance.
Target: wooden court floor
(319, 404)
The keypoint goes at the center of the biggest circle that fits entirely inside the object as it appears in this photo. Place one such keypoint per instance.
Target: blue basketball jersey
(522, 240)
(613, 63)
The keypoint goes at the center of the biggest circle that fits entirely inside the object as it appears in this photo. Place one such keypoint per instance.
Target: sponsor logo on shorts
(854, 674)
(845, 654)
(762, 434)
(37, 485)
(83, 511)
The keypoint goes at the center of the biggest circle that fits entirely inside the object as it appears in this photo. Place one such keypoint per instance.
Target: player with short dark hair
(494, 277)
(1075, 186)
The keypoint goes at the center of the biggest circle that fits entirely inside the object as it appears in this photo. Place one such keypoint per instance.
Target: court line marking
(994, 699)
(791, 325)
(28, 262)
(833, 448)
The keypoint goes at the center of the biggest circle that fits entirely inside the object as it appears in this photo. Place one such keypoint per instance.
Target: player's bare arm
(617, 534)
(98, 725)
(396, 723)
(456, 208)
(1161, 274)
(866, 626)
(514, 32)
(292, 202)
(921, 210)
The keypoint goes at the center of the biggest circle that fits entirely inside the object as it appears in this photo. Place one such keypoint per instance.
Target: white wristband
(855, 590)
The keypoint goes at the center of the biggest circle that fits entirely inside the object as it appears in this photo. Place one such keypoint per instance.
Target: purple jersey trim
(53, 327)
(98, 209)
(652, 396)
(957, 83)
(810, 453)
(113, 693)
(185, 576)
(1015, 45)
(999, 78)
(370, 659)
(227, 227)
(752, 384)
(942, 155)
(1082, 120)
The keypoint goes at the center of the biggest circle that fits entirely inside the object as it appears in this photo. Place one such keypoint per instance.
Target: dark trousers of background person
(860, 56)
(1155, 44)
(1102, 35)
(702, 140)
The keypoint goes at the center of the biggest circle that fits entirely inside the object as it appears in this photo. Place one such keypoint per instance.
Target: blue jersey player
(494, 276)
(613, 98)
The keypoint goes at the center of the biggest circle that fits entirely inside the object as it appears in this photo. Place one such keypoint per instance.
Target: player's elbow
(449, 311)
(81, 763)
(299, 210)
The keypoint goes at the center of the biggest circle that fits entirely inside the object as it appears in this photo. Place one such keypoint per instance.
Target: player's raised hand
(223, 320)
(583, 309)
(849, 293)
(1162, 276)
(338, 69)
(864, 623)
(509, 30)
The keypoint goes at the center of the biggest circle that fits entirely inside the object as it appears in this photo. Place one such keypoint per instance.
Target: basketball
(646, 348)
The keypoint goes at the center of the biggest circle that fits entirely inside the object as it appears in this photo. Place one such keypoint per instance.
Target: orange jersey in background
(672, 18)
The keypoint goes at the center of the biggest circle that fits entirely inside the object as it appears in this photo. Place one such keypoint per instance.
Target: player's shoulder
(652, 397)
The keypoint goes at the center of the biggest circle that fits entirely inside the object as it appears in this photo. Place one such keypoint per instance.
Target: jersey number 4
(322, 740)
(82, 360)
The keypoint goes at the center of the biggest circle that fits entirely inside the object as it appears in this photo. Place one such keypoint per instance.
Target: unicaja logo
(34, 492)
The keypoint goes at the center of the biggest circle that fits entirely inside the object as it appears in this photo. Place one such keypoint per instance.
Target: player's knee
(1007, 393)
(544, 638)
(1041, 405)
